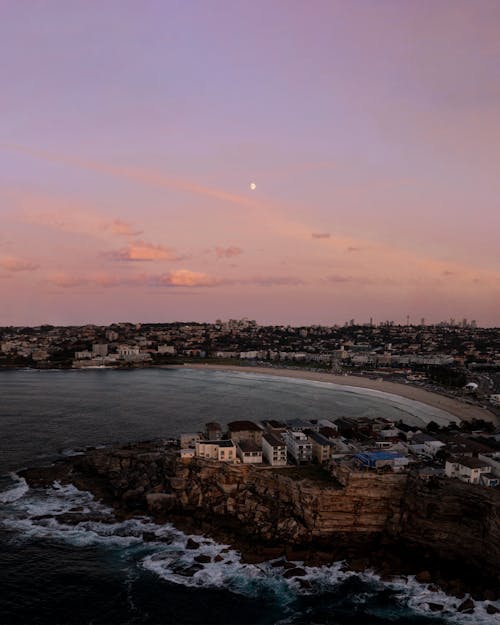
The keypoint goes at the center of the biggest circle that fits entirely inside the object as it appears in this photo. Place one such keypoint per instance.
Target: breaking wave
(65, 513)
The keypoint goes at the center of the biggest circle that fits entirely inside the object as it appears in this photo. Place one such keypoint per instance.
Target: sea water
(104, 571)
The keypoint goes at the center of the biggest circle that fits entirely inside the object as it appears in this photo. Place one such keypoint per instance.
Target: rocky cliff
(394, 522)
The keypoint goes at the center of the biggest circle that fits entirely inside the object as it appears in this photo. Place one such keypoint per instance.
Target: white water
(168, 557)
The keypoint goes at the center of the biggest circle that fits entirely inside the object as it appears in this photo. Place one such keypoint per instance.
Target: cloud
(228, 252)
(353, 249)
(273, 281)
(340, 279)
(448, 273)
(320, 235)
(17, 264)
(143, 251)
(72, 217)
(124, 228)
(179, 278)
(185, 277)
(137, 174)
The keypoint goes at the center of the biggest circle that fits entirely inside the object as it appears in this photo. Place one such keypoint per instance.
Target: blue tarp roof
(378, 455)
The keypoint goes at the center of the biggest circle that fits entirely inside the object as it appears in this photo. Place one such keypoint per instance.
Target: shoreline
(456, 408)
(391, 554)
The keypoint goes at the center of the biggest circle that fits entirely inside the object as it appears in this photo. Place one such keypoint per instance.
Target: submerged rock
(295, 572)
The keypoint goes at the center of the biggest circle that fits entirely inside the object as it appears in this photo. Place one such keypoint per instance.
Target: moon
(253, 186)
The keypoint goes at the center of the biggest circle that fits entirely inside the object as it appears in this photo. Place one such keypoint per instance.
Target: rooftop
(471, 463)
(220, 443)
(241, 426)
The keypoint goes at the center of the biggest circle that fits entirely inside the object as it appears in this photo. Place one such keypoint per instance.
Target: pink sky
(131, 132)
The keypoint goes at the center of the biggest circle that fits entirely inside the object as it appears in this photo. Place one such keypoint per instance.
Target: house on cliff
(221, 450)
(274, 449)
(470, 470)
(245, 431)
(322, 447)
(298, 446)
(249, 452)
(382, 460)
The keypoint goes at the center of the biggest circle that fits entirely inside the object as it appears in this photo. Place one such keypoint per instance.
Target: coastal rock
(435, 607)
(161, 502)
(186, 571)
(202, 559)
(395, 523)
(492, 609)
(192, 544)
(467, 606)
(295, 572)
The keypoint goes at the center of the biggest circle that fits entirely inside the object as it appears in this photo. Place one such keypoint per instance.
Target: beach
(460, 409)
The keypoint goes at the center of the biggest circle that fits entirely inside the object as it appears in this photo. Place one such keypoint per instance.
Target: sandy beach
(455, 407)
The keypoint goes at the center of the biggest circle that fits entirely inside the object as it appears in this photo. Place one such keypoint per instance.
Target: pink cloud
(228, 252)
(179, 278)
(124, 228)
(340, 279)
(273, 281)
(320, 235)
(185, 277)
(17, 264)
(137, 174)
(143, 251)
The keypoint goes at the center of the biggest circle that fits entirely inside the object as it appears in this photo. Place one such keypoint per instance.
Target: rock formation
(393, 522)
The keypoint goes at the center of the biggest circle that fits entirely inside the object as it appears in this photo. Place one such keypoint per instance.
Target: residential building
(213, 431)
(245, 431)
(467, 469)
(298, 446)
(100, 349)
(382, 459)
(423, 443)
(223, 451)
(322, 447)
(249, 453)
(274, 449)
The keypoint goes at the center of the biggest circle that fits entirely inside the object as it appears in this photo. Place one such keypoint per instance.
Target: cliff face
(444, 521)
(458, 521)
(271, 507)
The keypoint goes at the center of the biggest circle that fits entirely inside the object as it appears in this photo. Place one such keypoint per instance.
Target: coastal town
(457, 358)
(344, 446)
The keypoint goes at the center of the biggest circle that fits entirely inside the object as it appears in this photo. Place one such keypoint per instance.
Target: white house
(223, 451)
(298, 446)
(273, 449)
(423, 443)
(249, 452)
(466, 469)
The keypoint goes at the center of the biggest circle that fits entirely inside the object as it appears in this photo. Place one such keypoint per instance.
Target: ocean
(97, 572)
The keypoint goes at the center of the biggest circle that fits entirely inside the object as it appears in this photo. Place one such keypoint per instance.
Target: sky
(131, 131)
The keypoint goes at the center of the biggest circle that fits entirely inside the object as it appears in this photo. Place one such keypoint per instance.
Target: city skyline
(133, 132)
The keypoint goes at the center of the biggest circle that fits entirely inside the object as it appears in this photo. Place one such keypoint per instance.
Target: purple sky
(132, 130)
